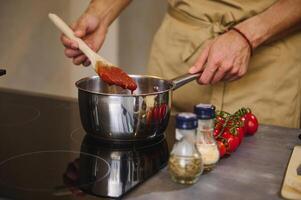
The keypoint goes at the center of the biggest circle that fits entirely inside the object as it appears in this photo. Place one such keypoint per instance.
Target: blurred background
(33, 56)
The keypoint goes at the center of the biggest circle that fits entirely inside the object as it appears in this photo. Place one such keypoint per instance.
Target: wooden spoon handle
(70, 34)
(93, 57)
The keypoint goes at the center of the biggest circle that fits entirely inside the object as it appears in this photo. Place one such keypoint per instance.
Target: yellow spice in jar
(185, 169)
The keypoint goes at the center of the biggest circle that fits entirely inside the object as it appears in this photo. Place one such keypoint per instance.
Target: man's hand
(226, 58)
(92, 27)
(92, 31)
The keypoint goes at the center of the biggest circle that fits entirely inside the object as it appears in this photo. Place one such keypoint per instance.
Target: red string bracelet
(245, 37)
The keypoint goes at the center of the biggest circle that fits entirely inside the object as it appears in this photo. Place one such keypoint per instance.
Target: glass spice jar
(185, 162)
(205, 142)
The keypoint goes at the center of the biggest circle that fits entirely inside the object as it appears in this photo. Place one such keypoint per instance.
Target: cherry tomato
(218, 126)
(221, 148)
(243, 120)
(240, 133)
(216, 132)
(230, 123)
(251, 123)
(219, 122)
(220, 119)
(232, 142)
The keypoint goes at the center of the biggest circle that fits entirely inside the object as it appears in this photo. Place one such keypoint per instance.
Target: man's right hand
(90, 29)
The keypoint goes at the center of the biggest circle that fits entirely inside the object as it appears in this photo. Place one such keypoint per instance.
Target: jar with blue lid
(185, 163)
(205, 141)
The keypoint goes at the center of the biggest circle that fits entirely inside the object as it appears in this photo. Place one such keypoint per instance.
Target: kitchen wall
(137, 26)
(33, 56)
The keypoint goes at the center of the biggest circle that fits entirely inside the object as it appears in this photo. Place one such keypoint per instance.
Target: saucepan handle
(183, 79)
(2, 72)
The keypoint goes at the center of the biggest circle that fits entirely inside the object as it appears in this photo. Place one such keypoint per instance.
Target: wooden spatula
(106, 70)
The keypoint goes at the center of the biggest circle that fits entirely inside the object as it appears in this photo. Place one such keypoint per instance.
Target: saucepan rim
(170, 82)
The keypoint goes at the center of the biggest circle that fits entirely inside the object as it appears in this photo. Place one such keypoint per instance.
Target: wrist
(255, 30)
(106, 10)
(97, 9)
(246, 39)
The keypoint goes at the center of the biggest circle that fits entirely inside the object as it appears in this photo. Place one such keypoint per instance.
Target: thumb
(85, 25)
(80, 29)
(200, 62)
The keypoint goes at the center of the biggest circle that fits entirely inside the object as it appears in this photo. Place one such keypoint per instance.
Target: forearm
(282, 16)
(107, 10)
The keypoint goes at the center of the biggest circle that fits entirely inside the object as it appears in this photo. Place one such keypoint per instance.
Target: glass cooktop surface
(45, 153)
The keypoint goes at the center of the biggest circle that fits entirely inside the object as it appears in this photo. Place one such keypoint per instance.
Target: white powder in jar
(209, 152)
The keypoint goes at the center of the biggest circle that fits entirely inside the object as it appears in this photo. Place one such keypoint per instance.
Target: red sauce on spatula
(115, 76)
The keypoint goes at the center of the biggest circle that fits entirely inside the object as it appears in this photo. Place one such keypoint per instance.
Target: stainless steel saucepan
(111, 113)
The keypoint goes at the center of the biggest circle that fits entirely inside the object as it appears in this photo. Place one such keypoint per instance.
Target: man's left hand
(226, 58)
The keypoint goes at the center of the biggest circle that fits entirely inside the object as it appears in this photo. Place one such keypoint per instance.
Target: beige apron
(271, 87)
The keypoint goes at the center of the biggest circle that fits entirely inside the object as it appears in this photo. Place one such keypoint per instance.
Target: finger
(70, 53)
(69, 43)
(208, 73)
(231, 76)
(80, 28)
(238, 70)
(243, 70)
(87, 62)
(234, 78)
(199, 64)
(227, 77)
(220, 73)
(96, 39)
(223, 71)
(79, 60)
(73, 26)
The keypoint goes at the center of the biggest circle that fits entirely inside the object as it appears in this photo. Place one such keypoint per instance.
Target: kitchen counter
(254, 171)
(32, 123)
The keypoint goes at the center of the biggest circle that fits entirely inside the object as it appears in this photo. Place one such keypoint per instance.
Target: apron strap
(185, 17)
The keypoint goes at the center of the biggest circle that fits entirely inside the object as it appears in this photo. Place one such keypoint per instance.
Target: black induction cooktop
(45, 153)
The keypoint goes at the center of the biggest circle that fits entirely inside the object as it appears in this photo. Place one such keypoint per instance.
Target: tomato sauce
(115, 76)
